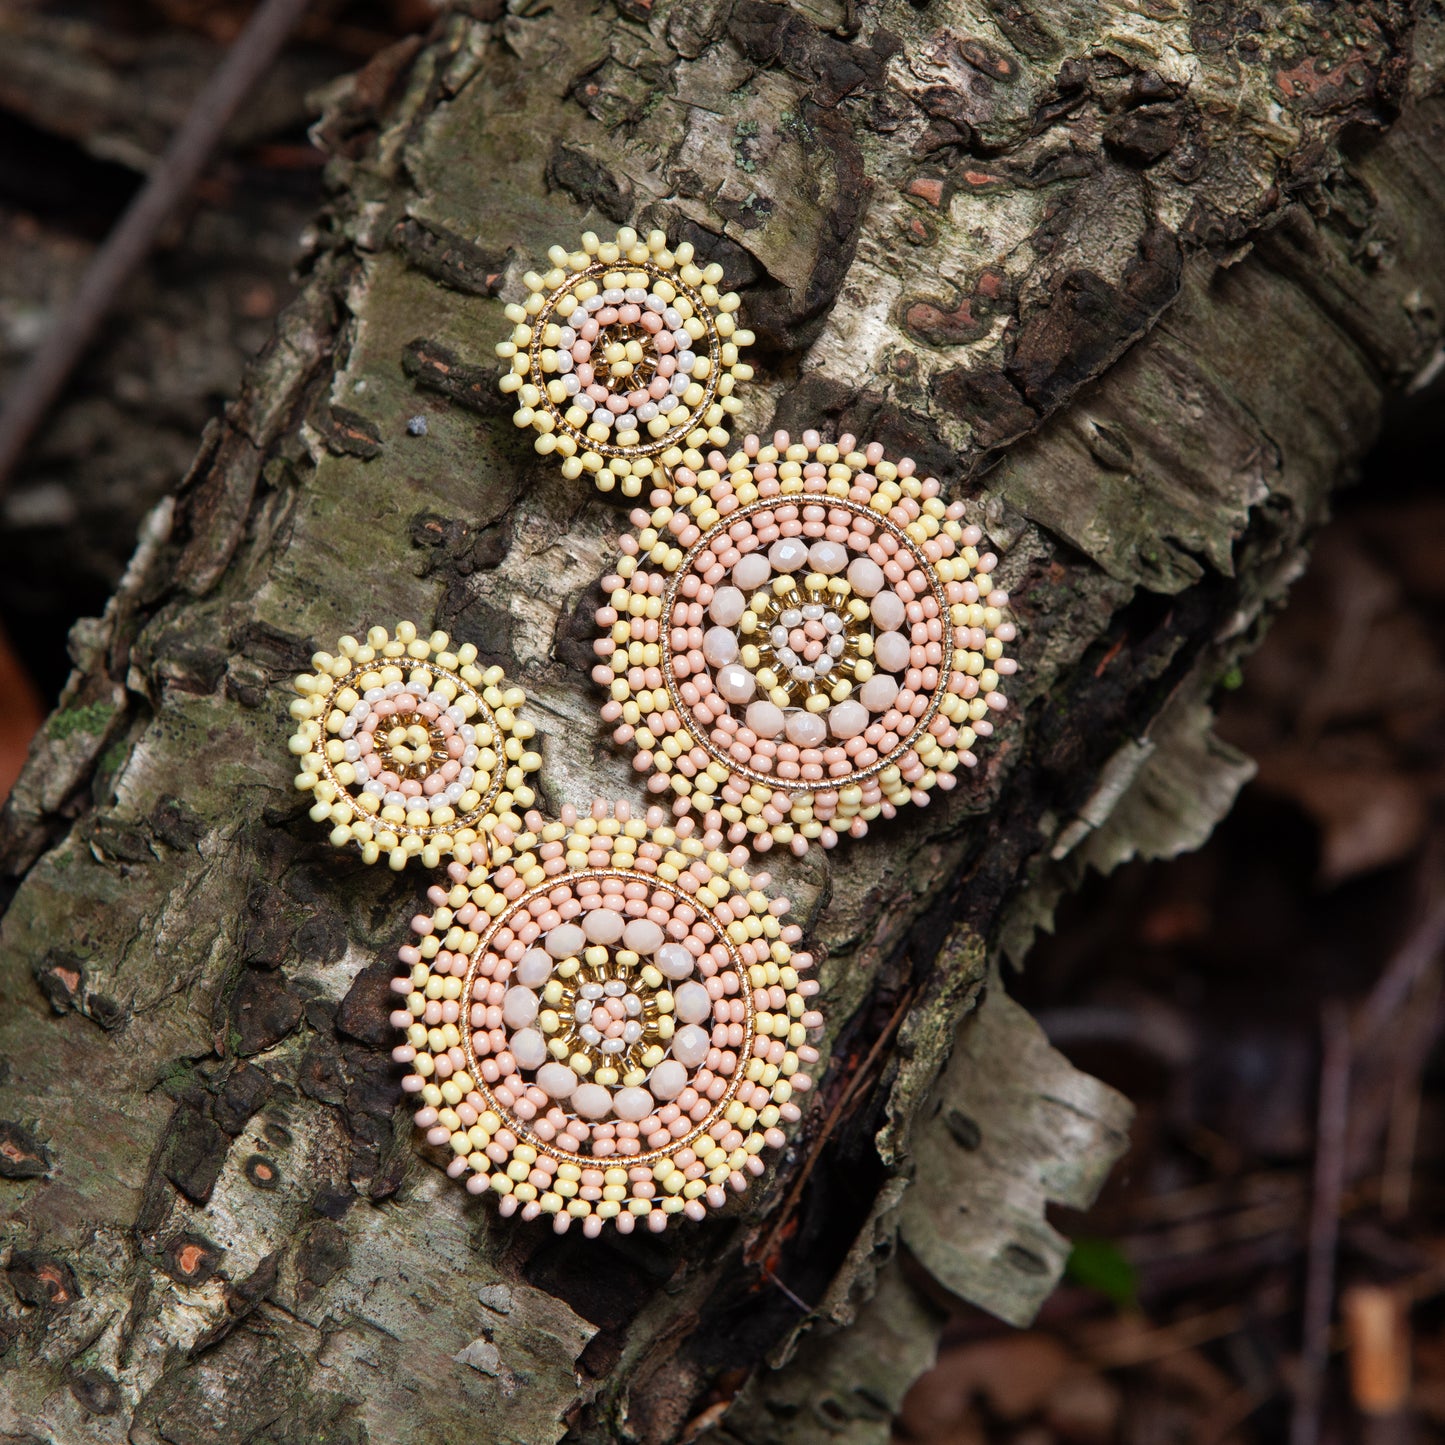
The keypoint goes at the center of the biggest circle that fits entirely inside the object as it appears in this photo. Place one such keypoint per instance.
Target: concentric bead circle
(624, 358)
(611, 1026)
(801, 638)
(408, 748)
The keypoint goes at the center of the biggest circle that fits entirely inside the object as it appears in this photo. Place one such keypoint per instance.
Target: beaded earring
(409, 748)
(800, 637)
(605, 1017)
(608, 1026)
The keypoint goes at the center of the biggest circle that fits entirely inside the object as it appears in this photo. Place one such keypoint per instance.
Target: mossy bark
(1133, 282)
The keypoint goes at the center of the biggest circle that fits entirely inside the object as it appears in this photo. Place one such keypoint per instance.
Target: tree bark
(1134, 284)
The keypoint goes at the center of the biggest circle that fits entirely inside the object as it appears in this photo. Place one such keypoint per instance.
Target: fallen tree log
(1134, 285)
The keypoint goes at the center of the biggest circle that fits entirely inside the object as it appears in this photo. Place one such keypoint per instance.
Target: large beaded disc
(800, 638)
(624, 358)
(409, 749)
(611, 1026)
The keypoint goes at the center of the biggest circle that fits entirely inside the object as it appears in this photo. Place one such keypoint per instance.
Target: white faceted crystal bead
(556, 1080)
(719, 646)
(591, 1101)
(690, 1045)
(667, 1080)
(603, 925)
(891, 649)
(806, 729)
(751, 572)
(728, 604)
(787, 554)
(633, 1104)
(765, 719)
(529, 1049)
(534, 968)
(865, 576)
(674, 961)
(848, 719)
(566, 941)
(888, 611)
(879, 692)
(736, 683)
(642, 935)
(519, 1007)
(827, 557)
(691, 1003)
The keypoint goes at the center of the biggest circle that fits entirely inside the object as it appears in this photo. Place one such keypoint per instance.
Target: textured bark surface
(1133, 282)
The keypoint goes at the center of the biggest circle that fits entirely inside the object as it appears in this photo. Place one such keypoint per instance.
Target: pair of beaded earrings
(606, 1016)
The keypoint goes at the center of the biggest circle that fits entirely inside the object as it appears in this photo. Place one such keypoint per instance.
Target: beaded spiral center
(631, 355)
(415, 747)
(611, 1017)
(805, 643)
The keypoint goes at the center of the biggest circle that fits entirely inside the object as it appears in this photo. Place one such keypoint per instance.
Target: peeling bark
(1132, 283)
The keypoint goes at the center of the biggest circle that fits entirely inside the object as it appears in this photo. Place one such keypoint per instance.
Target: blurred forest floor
(1272, 1003)
(1204, 988)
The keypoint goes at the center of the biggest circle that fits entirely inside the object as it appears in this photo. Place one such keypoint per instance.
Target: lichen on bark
(1132, 282)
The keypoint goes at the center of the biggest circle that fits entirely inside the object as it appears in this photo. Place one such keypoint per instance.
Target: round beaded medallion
(410, 749)
(611, 1026)
(624, 358)
(800, 638)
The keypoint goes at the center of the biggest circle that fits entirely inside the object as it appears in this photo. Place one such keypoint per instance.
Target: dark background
(1196, 986)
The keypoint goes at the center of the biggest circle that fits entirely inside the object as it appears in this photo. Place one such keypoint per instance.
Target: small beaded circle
(410, 749)
(624, 358)
(800, 638)
(610, 1026)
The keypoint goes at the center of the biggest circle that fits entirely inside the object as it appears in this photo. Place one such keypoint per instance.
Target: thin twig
(1420, 949)
(134, 234)
(1329, 1182)
(1397, 1173)
(802, 1304)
